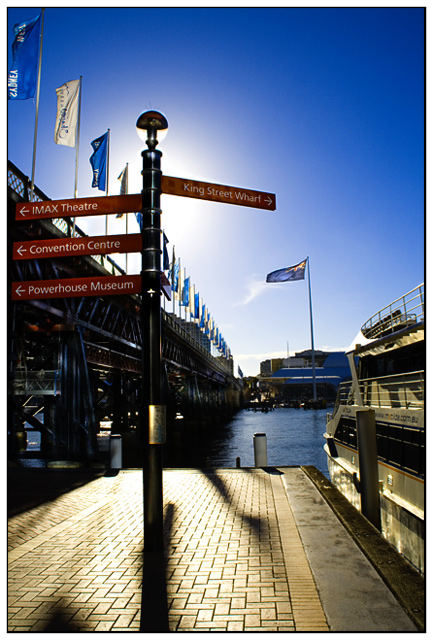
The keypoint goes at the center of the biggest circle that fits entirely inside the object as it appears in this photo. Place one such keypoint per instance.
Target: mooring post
(368, 469)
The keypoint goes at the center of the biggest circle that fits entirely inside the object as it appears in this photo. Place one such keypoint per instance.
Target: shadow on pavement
(29, 488)
(154, 605)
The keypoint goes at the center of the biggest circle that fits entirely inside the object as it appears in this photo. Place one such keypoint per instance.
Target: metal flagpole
(126, 214)
(37, 106)
(77, 147)
(106, 178)
(312, 334)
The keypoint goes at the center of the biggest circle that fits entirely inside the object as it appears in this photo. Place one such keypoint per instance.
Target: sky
(323, 107)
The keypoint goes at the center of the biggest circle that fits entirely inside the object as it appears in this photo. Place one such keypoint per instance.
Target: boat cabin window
(404, 360)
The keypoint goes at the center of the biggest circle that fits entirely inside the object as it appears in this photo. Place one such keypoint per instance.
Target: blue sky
(323, 107)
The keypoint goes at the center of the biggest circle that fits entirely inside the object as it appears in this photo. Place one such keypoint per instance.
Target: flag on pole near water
(98, 160)
(22, 76)
(65, 132)
(297, 272)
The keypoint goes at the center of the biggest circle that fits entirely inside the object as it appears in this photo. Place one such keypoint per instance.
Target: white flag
(67, 113)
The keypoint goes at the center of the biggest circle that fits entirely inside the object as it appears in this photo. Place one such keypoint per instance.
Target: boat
(387, 362)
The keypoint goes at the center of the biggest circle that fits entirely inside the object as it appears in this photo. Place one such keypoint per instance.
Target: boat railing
(404, 390)
(404, 312)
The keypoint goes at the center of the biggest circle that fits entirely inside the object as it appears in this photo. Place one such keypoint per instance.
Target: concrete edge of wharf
(403, 580)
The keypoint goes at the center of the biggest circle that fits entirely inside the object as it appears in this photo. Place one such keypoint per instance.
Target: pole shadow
(154, 605)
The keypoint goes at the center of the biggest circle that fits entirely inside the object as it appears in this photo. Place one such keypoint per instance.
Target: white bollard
(116, 451)
(260, 450)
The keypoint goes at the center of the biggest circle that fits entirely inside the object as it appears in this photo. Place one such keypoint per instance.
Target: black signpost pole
(153, 409)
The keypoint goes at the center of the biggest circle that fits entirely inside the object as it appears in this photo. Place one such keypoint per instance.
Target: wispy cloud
(255, 288)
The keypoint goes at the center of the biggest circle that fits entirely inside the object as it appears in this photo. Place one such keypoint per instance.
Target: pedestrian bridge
(74, 364)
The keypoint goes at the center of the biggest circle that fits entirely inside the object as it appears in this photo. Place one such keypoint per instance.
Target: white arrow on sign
(19, 290)
(21, 250)
(23, 211)
(268, 200)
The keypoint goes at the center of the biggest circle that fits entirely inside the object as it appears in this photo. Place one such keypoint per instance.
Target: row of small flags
(187, 297)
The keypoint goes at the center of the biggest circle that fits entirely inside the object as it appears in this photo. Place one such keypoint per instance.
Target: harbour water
(294, 437)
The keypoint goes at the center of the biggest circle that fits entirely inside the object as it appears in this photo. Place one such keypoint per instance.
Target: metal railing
(37, 383)
(404, 390)
(404, 312)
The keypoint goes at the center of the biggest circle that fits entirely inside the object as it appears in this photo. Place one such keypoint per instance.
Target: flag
(175, 275)
(185, 292)
(98, 160)
(196, 305)
(297, 272)
(202, 317)
(124, 181)
(165, 286)
(22, 76)
(240, 374)
(123, 187)
(65, 132)
(166, 259)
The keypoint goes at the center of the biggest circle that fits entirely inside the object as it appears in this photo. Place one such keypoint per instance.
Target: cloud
(255, 288)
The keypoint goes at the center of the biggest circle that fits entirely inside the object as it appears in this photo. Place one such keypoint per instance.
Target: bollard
(238, 463)
(260, 450)
(367, 454)
(115, 451)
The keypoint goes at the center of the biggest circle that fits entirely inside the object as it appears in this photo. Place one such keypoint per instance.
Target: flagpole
(312, 334)
(37, 106)
(126, 221)
(77, 147)
(107, 177)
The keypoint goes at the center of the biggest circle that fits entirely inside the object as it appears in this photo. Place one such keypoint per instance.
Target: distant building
(270, 366)
(296, 383)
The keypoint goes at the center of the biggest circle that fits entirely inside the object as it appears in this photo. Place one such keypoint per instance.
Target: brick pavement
(234, 558)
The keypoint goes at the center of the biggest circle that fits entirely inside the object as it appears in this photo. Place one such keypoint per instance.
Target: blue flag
(25, 52)
(166, 259)
(203, 316)
(98, 160)
(174, 275)
(185, 293)
(196, 305)
(240, 374)
(297, 272)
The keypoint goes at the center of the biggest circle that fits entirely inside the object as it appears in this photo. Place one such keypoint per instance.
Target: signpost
(218, 193)
(78, 207)
(76, 287)
(83, 246)
(133, 202)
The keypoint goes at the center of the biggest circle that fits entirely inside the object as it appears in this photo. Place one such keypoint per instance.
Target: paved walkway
(240, 555)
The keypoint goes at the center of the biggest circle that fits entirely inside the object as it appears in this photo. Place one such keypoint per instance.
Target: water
(294, 437)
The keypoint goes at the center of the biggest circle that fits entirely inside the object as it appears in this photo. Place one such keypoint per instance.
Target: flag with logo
(166, 259)
(65, 132)
(297, 272)
(98, 160)
(22, 77)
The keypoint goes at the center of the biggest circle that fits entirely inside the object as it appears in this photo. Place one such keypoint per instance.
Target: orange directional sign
(84, 246)
(218, 193)
(78, 207)
(76, 287)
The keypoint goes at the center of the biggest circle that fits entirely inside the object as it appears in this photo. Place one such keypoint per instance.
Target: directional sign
(78, 207)
(76, 287)
(218, 193)
(84, 246)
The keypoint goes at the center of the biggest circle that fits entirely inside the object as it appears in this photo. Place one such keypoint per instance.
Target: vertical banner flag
(98, 160)
(65, 132)
(22, 76)
(175, 276)
(123, 186)
(185, 292)
(297, 272)
(166, 259)
(196, 305)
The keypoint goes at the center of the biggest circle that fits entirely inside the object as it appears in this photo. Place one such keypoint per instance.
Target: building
(295, 383)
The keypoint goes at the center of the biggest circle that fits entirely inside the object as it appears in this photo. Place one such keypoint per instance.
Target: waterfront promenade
(245, 550)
